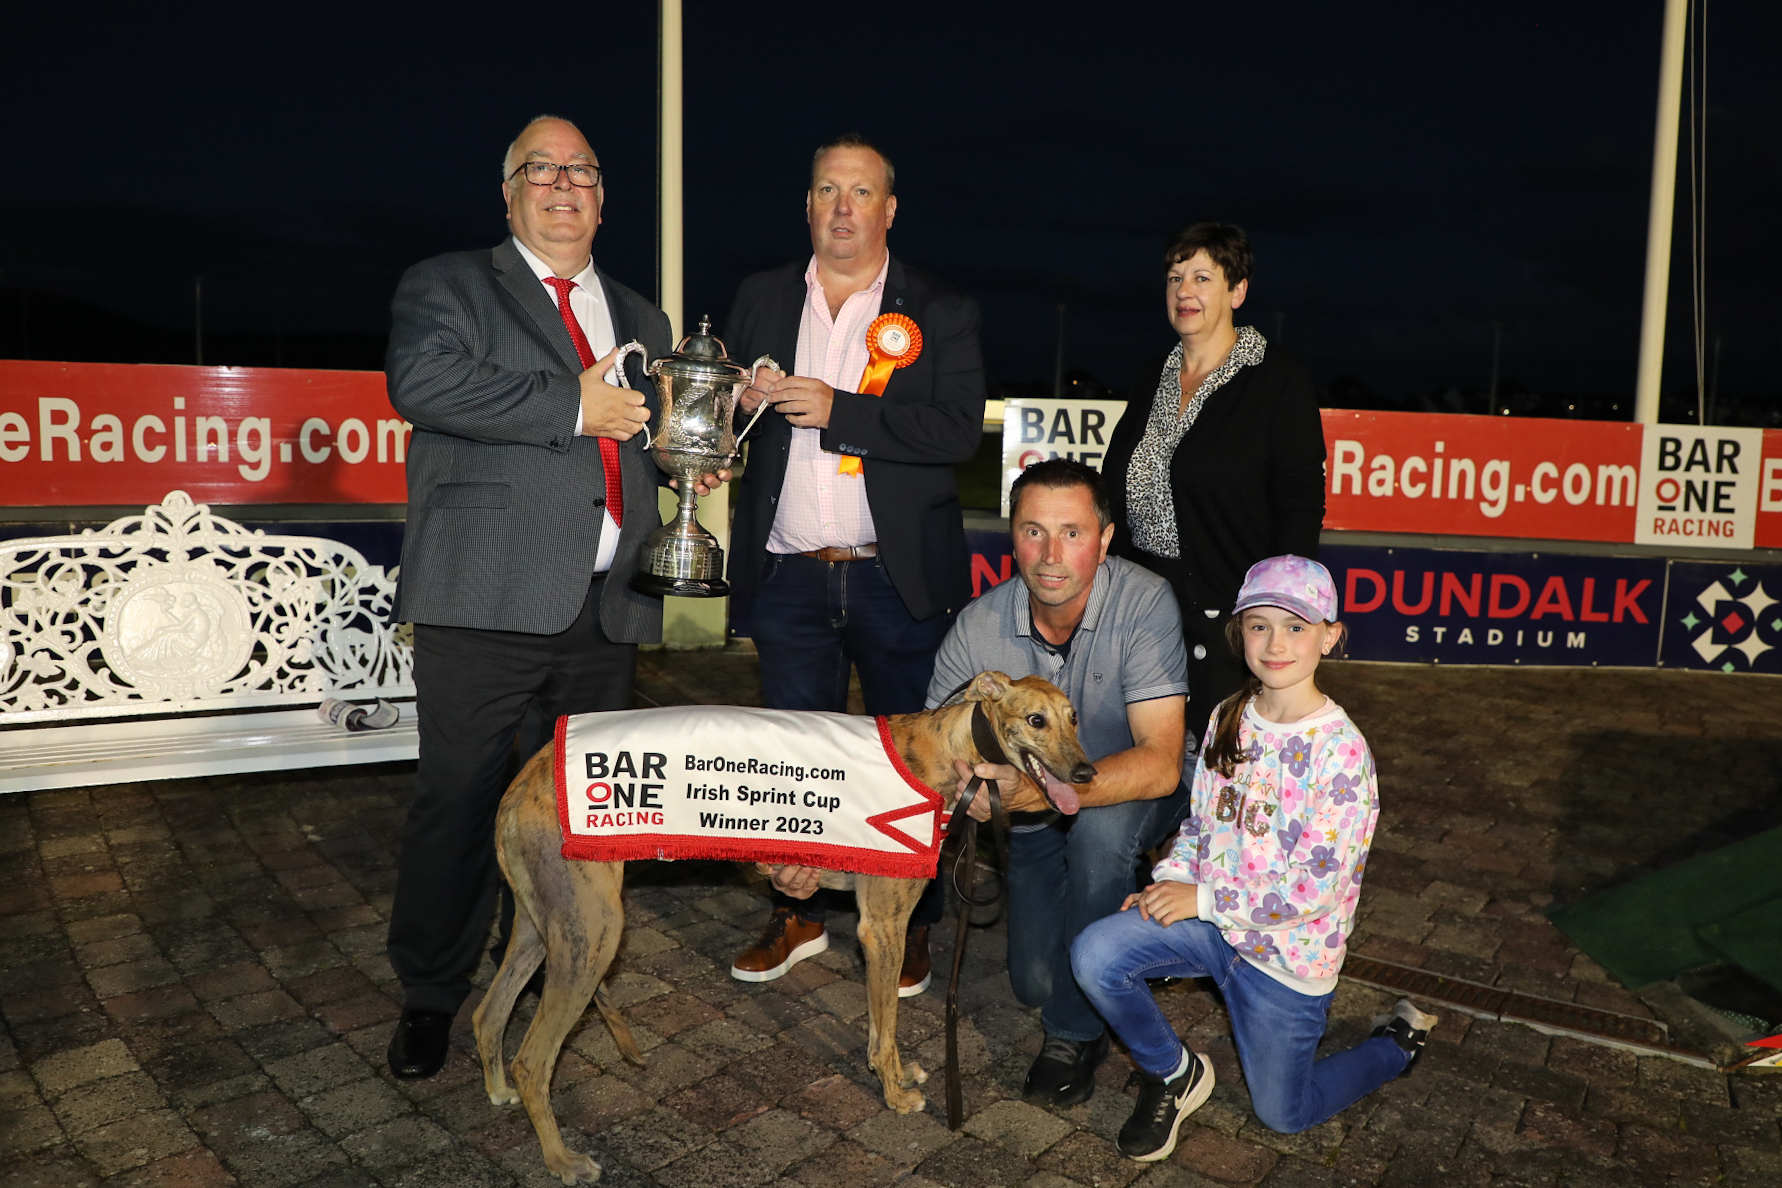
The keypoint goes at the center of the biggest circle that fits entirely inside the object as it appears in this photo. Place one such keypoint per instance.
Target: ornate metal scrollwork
(180, 606)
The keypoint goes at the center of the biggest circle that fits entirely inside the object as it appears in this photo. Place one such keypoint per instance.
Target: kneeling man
(1109, 634)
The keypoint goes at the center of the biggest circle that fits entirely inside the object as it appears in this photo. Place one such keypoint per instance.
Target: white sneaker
(1407, 1027)
(1150, 1134)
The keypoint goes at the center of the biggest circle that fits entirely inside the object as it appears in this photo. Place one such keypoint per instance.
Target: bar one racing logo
(1038, 430)
(1699, 486)
(615, 803)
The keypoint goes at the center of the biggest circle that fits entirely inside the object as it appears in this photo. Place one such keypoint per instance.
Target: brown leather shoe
(787, 940)
(917, 970)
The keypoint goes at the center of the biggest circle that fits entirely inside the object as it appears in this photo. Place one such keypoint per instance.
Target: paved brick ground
(194, 990)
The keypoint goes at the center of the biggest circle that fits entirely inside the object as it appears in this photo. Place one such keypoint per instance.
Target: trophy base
(645, 582)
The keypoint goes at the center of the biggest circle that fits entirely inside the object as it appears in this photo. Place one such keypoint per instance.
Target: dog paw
(906, 1101)
(913, 1075)
(575, 1169)
(503, 1097)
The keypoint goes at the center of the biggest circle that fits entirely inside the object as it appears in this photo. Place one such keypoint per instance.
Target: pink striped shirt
(819, 507)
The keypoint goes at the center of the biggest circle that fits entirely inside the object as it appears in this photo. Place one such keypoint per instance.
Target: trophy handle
(633, 347)
(754, 370)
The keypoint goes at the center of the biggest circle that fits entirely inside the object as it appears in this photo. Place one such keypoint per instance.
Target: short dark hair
(1225, 243)
(855, 140)
(1056, 474)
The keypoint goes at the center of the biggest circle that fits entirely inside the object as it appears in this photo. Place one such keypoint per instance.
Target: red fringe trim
(671, 848)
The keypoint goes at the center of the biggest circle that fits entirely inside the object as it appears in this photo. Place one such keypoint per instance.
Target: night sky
(1409, 173)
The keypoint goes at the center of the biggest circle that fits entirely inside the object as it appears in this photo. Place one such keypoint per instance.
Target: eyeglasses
(544, 173)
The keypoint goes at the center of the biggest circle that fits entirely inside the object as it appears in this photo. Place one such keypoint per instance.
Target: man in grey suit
(530, 491)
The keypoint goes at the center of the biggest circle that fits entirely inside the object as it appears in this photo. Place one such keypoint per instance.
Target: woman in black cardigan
(1219, 460)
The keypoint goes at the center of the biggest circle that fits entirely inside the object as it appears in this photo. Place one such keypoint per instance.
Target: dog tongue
(1062, 795)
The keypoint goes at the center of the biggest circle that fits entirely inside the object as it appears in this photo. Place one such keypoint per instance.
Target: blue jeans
(1062, 879)
(811, 619)
(1276, 1028)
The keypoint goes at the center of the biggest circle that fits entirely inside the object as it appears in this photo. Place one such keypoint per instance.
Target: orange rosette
(892, 341)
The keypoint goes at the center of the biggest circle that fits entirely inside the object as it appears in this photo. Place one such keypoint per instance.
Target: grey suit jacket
(504, 501)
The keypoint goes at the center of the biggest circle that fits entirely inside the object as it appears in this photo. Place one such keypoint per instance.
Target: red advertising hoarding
(1535, 479)
(82, 434)
(1481, 476)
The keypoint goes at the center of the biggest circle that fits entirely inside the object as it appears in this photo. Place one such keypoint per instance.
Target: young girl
(1259, 891)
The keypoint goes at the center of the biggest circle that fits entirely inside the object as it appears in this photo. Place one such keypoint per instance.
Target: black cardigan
(1248, 478)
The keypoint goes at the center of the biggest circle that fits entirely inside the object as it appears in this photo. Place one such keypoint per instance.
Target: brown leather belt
(838, 553)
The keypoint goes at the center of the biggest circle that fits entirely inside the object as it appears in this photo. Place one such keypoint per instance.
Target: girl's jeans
(1276, 1028)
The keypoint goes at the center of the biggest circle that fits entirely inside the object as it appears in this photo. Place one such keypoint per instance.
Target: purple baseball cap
(1295, 584)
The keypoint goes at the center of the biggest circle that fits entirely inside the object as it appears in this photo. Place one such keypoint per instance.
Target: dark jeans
(811, 620)
(477, 693)
(1276, 1028)
(1062, 879)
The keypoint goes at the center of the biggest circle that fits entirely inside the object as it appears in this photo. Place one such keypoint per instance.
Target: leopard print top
(1150, 504)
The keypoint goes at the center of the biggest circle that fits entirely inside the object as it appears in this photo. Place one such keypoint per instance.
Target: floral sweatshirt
(1278, 850)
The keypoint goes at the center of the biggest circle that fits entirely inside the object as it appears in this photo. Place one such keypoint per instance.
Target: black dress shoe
(418, 1049)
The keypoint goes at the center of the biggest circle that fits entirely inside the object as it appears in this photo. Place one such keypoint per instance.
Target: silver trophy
(699, 386)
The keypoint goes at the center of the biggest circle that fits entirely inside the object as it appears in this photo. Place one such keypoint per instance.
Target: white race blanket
(700, 781)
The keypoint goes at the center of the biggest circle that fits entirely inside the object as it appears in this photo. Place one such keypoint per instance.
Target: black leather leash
(964, 827)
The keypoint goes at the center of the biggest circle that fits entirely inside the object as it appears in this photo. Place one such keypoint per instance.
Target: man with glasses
(530, 492)
(849, 545)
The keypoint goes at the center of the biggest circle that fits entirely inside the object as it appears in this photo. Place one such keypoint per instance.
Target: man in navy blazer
(514, 563)
(861, 564)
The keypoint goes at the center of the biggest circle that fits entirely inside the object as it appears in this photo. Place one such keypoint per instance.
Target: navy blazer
(504, 501)
(930, 417)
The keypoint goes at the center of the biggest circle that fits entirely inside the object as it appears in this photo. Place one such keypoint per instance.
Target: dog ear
(988, 686)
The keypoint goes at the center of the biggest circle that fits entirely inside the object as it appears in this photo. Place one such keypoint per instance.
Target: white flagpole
(1658, 226)
(670, 288)
(687, 622)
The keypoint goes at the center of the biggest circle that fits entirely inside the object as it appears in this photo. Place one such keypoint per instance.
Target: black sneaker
(1150, 1134)
(1064, 1073)
(1407, 1027)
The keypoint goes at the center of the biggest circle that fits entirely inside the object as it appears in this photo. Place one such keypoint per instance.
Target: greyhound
(569, 915)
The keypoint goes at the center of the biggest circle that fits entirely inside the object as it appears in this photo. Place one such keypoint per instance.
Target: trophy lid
(701, 355)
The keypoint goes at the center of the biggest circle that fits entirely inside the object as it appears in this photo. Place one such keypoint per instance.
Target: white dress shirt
(587, 301)
(820, 507)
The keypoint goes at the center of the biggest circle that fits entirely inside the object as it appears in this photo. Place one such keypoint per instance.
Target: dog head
(1037, 727)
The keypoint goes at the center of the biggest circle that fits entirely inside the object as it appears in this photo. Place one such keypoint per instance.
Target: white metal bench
(178, 643)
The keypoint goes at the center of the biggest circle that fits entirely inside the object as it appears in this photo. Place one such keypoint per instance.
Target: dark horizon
(1408, 176)
(70, 330)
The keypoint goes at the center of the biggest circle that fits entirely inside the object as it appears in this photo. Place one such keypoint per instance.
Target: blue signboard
(992, 559)
(1724, 616)
(1458, 606)
(1455, 606)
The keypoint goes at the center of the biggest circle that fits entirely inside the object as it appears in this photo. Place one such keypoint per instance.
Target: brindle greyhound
(569, 915)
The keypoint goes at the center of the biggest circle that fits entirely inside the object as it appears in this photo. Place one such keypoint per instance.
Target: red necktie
(609, 449)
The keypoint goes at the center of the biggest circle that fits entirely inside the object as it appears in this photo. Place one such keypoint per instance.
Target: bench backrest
(178, 610)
